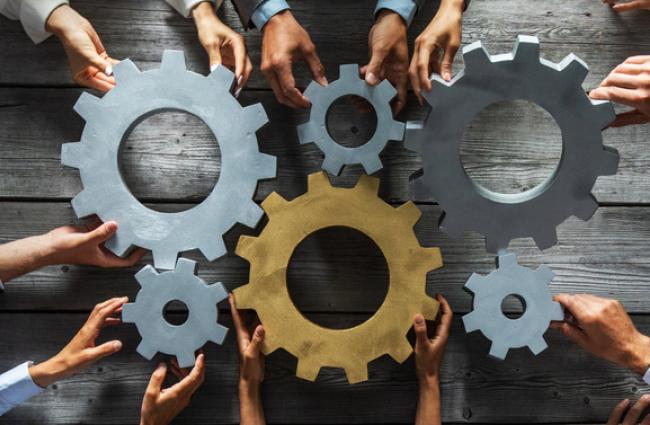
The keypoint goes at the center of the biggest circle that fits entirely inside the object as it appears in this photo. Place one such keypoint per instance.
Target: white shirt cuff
(16, 386)
(34, 15)
(646, 376)
(184, 7)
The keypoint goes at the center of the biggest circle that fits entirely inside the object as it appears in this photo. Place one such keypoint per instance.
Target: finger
(571, 331)
(630, 118)
(424, 60)
(112, 321)
(157, 379)
(616, 79)
(638, 59)
(571, 303)
(214, 55)
(256, 343)
(106, 349)
(102, 233)
(315, 65)
(448, 61)
(400, 100)
(193, 380)
(240, 327)
(374, 68)
(446, 317)
(288, 86)
(111, 260)
(103, 77)
(630, 68)
(248, 69)
(272, 77)
(414, 77)
(616, 94)
(95, 83)
(420, 326)
(627, 6)
(617, 413)
(98, 317)
(635, 411)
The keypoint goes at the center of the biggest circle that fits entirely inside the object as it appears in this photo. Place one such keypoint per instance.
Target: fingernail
(419, 320)
(117, 345)
(213, 67)
(371, 78)
(238, 91)
(108, 70)
(447, 76)
(239, 80)
(323, 81)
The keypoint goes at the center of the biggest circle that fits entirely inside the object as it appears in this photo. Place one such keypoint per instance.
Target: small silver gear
(147, 312)
(315, 130)
(487, 79)
(530, 286)
(138, 95)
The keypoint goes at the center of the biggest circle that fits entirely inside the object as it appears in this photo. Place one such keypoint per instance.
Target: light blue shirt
(16, 386)
(268, 8)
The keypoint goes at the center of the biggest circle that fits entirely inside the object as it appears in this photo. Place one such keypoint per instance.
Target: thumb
(447, 62)
(99, 62)
(103, 232)
(157, 379)
(214, 53)
(630, 118)
(374, 67)
(257, 340)
(630, 5)
(106, 349)
(420, 326)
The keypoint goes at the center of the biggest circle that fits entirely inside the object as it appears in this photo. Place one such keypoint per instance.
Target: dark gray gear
(138, 95)
(315, 130)
(181, 284)
(487, 79)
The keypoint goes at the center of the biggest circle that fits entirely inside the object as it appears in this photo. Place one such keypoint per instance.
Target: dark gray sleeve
(245, 9)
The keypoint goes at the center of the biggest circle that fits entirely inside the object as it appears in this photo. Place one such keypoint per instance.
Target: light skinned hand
(623, 414)
(284, 42)
(602, 327)
(436, 46)
(222, 44)
(629, 84)
(89, 63)
(388, 50)
(82, 351)
(161, 405)
(627, 5)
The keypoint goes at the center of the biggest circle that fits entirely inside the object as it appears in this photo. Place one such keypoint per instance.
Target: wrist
(453, 4)
(282, 18)
(202, 11)
(59, 20)
(429, 382)
(639, 355)
(249, 390)
(388, 15)
(46, 373)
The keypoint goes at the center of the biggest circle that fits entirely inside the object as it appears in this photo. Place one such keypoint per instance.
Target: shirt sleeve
(32, 14)
(266, 10)
(405, 8)
(16, 386)
(184, 7)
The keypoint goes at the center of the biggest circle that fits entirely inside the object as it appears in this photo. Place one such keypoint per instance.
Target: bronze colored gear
(361, 209)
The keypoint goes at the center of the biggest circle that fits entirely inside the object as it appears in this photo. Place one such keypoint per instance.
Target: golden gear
(361, 209)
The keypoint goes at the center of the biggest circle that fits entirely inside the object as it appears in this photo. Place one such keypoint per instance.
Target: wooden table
(337, 277)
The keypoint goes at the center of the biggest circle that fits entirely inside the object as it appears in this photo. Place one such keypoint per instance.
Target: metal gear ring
(361, 209)
(138, 95)
(315, 130)
(531, 287)
(487, 79)
(181, 284)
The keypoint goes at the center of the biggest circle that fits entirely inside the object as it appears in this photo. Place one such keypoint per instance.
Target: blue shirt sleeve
(16, 386)
(265, 11)
(405, 8)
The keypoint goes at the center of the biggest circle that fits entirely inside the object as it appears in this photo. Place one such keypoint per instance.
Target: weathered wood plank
(510, 147)
(558, 386)
(339, 272)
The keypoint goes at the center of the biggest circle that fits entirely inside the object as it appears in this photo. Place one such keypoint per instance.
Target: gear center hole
(175, 312)
(513, 306)
(336, 270)
(170, 155)
(511, 147)
(351, 121)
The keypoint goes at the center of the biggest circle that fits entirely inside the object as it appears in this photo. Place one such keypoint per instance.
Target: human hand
(436, 46)
(89, 63)
(430, 351)
(284, 41)
(624, 6)
(629, 84)
(160, 406)
(388, 55)
(81, 351)
(222, 44)
(633, 414)
(602, 327)
(77, 245)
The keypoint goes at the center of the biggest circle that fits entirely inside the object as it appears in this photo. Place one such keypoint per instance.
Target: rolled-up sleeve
(33, 14)
(16, 386)
(405, 8)
(184, 7)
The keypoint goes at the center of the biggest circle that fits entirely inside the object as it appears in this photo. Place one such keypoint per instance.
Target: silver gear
(138, 95)
(182, 284)
(486, 79)
(315, 130)
(532, 287)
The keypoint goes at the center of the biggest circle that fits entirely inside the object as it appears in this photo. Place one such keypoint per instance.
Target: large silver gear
(315, 130)
(138, 95)
(486, 79)
(530, 286)
(181, 284)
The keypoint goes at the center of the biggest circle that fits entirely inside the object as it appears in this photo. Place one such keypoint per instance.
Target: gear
(136, 96)
(486, 79)
(358, 208)
(181, 284)
(315, 130)
(531, 287)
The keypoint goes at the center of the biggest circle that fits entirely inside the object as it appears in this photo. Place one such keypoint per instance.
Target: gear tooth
(213, 248)
(473, 283)
(451, 225)
(185, 359)
(537, 346)
(410, 213)
(308, 133)
(255, 116)
(575, 69)
(218, 334)
(146, 350)
(125, 71)
(313, 90)
(507, 261)
(223, 76)
(146, 275)
(396, 131)
(585, 207)
(412, 135)
(429, 308)
(186, 266)
(274, 202)
(498, 351)
(129, 313)
(244, 297)
(164, 257)
(472, 322)
(603, 113)
(83, 204)
(372, 164)
(332, 165)
(88, 106)
(266, 166)
(119, 245)
(318, 181)
(544, 274)
(368, 185)
(270, 344)
(556, 312)
(218, 291)
(526, 49)
(546, 239)
(72, 154)
(251, 215)
(433, 258)
(476, 57)
(402, 351)
(245, 246)
(349, 72)
(609, 161)
(418, 187)
(356, 373)
(307, 369)
(173, 61)
(385, 91)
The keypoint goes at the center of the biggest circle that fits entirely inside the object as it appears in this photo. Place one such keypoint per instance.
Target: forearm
(22, 256)
(251, 411)
(428, 408)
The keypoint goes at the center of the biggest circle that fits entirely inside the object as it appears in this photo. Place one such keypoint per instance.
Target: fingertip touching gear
(141, 94)
(359, 208)
(531, 287)
(180, 284)
(315, 130)
(487, 79)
